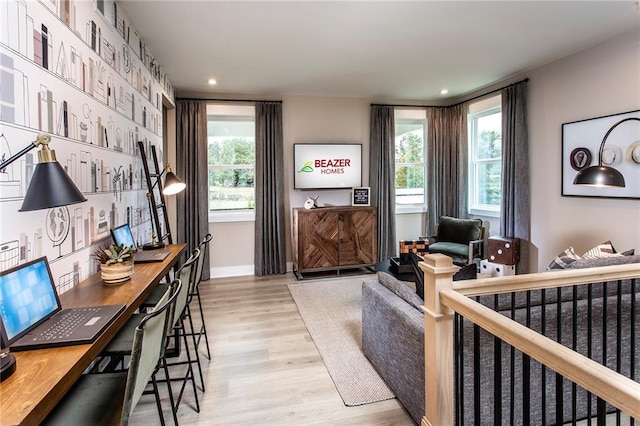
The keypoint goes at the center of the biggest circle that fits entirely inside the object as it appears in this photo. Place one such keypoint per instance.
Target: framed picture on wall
(618, 137)
(360, 196)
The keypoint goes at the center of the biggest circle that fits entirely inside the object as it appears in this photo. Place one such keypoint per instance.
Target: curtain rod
(458, 103)
(225, 100)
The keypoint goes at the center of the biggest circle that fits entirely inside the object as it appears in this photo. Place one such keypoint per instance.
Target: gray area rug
(332, 311)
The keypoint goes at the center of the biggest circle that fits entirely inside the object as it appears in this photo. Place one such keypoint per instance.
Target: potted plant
(116, 263)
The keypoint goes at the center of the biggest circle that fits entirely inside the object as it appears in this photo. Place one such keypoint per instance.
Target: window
(231, 145)
(485, 156)
(410, 132)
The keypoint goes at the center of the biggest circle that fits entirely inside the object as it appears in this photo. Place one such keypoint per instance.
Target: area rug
(332, 311)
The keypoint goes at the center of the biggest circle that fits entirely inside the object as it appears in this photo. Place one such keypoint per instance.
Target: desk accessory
(50, 186)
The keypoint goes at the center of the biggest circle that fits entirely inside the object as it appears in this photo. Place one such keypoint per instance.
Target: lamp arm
(159, 175)
(42, 139)
(604, 140)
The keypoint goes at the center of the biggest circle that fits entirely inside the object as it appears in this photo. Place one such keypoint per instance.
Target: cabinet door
(317, 239)
(358, 244)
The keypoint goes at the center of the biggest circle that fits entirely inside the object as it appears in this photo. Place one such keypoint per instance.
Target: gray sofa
(393, 341)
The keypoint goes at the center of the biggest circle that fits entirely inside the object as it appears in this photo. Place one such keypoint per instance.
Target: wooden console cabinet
(334, 238)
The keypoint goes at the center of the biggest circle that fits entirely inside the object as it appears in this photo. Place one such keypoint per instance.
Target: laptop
(123, 235)
(31, 316)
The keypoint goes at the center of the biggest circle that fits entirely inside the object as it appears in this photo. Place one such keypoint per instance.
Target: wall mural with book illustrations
(77, 70)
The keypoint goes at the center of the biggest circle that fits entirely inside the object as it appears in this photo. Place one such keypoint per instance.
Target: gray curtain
(382, 177)
(270, 243)
(191, 167)
(447, 167)
(516, 203)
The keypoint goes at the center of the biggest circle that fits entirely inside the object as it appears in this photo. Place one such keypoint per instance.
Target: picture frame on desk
(361, 196)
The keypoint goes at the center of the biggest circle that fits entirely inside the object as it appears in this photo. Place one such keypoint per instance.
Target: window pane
(231, 189)
(410, 146)
(410, 126)
(410, 184)
(488, 179)
(488, 137)
(231, 162)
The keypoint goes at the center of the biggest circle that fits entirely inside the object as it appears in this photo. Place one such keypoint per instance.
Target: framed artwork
(360, 196)
(581, 141)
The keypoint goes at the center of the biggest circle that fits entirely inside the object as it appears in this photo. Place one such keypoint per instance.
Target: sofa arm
(393, 341)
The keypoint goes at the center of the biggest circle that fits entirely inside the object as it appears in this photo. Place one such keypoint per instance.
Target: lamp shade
(172, 184)
(50, 187)
(600, 176)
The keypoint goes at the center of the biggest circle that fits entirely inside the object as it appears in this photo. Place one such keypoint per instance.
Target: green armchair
(461, 239)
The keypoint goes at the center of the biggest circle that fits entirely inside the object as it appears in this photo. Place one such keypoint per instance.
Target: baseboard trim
(238, 271)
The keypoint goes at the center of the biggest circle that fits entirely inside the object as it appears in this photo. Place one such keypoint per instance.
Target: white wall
(600, 81)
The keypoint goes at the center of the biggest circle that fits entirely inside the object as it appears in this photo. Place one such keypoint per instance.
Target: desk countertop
(43, 376)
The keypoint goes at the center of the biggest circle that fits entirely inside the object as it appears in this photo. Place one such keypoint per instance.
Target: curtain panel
(270, 242)
(382, 177)
(515, 220)
(191, 167)
(447, 167)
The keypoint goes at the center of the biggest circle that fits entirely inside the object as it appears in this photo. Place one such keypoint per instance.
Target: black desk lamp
(172, 185)
(50, 186)
(600, 175)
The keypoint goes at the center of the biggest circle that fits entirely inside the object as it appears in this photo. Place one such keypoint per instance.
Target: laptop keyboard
(67, 323)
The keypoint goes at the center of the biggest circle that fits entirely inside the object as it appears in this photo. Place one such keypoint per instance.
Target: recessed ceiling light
(212, 81)
(444, 91)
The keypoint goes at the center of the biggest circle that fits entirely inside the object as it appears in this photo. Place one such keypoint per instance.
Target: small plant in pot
(116, 263)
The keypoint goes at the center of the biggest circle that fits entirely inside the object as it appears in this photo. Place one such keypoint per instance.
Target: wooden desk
(42, 377)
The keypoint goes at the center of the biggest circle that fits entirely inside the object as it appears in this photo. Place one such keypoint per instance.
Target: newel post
(438, 341)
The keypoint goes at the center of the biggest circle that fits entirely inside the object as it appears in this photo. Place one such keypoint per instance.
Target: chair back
(203, 250)
(149, 341)
(461, 231)
(186, 274)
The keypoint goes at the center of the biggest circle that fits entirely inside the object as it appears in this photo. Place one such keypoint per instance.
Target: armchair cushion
(449, 248)
(461, 231)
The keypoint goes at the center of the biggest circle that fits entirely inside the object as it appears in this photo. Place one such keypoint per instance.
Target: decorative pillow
(601, 250)
(564, 259)
(604, 261)
(628, 252)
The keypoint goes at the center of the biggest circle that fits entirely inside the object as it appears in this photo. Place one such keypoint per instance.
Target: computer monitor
(123, 235)
(27, 298)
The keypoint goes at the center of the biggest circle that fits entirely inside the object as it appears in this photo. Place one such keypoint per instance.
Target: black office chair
(110, 398)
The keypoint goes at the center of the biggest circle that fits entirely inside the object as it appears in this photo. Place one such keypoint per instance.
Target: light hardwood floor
(265, 369)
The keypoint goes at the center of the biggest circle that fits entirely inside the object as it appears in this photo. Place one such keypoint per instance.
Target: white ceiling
(373, 49)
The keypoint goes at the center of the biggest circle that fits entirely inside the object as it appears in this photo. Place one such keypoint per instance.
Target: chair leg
(189, 374)
(195, 345)
(203, 327)
(157, 395)
(174, 408)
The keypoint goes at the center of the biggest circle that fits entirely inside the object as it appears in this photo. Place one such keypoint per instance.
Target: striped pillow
(601, 250)
(564, 259)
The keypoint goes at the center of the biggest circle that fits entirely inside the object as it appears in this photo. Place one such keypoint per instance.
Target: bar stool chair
(117, 349)
(194, 294)
(110, 398)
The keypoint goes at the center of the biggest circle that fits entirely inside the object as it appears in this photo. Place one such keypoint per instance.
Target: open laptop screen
(27, 298)
(122, 235)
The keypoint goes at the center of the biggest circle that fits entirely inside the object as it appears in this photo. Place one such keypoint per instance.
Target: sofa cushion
(604, 261)
(400, 289)
(564, 259)
(456, 230)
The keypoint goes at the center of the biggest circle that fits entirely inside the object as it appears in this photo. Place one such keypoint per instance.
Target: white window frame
(478, 110)
(231, 111)
(413, 116)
